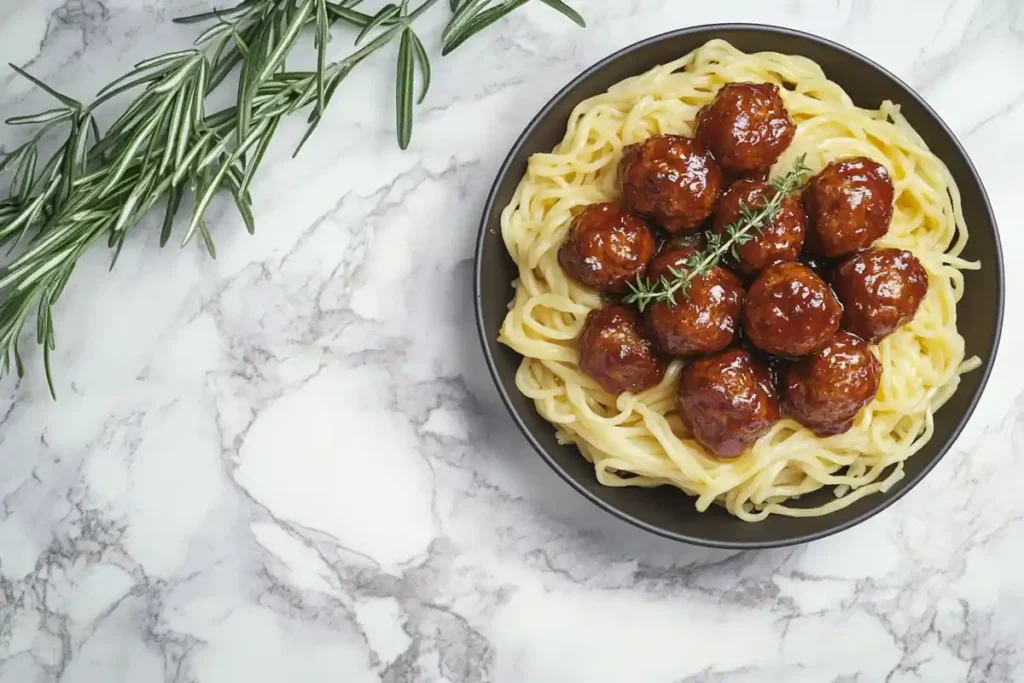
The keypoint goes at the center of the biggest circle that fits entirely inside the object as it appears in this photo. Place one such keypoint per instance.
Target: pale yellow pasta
(641, 434)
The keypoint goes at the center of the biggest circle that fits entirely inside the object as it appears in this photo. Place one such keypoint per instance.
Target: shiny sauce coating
(781, 239)
(826, 390)
(790, 311)
(670, 179)
(881, 290)
(616, 353)
(705, 319)
(849, 205)
(727, 401)
(746, 127)
(606, 247)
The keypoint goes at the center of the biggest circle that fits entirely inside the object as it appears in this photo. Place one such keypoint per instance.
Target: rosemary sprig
(644, 291)
(472, 16)
(164, 144)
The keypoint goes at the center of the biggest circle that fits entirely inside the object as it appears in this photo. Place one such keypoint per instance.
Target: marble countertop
(289, 464)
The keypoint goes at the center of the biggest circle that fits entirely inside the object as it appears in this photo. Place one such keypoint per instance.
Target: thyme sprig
(99, 185)
(753, 219)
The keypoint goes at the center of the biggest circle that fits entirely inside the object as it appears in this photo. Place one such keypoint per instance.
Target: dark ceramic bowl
(666, 510)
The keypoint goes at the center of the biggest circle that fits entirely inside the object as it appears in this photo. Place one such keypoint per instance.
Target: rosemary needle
(99, 185)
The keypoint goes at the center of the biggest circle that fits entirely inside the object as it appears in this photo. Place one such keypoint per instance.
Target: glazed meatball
(779, 240)
(671, 180)
(746, 127)
(849, 206)
(607, 247)
(727, 401)
(825, 391)
(615, 352)
(881, 290)
(705, 319)
(790, 311)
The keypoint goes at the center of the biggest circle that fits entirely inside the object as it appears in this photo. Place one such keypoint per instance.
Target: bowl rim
(884, 501)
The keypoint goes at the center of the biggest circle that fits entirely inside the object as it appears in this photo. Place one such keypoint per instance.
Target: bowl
(667, 511)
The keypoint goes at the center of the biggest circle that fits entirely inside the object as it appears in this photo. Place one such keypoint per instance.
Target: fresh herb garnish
(98, 185)
(644, 291)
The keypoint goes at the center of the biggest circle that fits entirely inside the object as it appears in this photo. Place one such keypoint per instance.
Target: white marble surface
(290, 465)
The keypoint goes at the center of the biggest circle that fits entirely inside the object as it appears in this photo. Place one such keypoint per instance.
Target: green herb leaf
(423, 60)
(173, 202)
(388, 11)
(41, 117)
(216, 14)
(64, 99)
(322, 38)
(257, 156)
(462, 14)
(406, 78)
(287, 40)
(567, 11)
(350, 16)
(479, 23)
(474, 16)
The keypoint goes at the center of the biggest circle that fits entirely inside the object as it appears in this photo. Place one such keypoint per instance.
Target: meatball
(746, 127)
(881, 290)
(705, 318)
(790, 311)
(825, 391)
(849, 206)
(779, 240)
(615, 352)
(607, 247)
(727, 401)
(670, 179)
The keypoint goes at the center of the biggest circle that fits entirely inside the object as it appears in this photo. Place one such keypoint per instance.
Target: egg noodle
(641, 436)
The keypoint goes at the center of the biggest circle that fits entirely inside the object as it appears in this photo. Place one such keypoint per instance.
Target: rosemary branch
(165, 145)
(644, 291)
